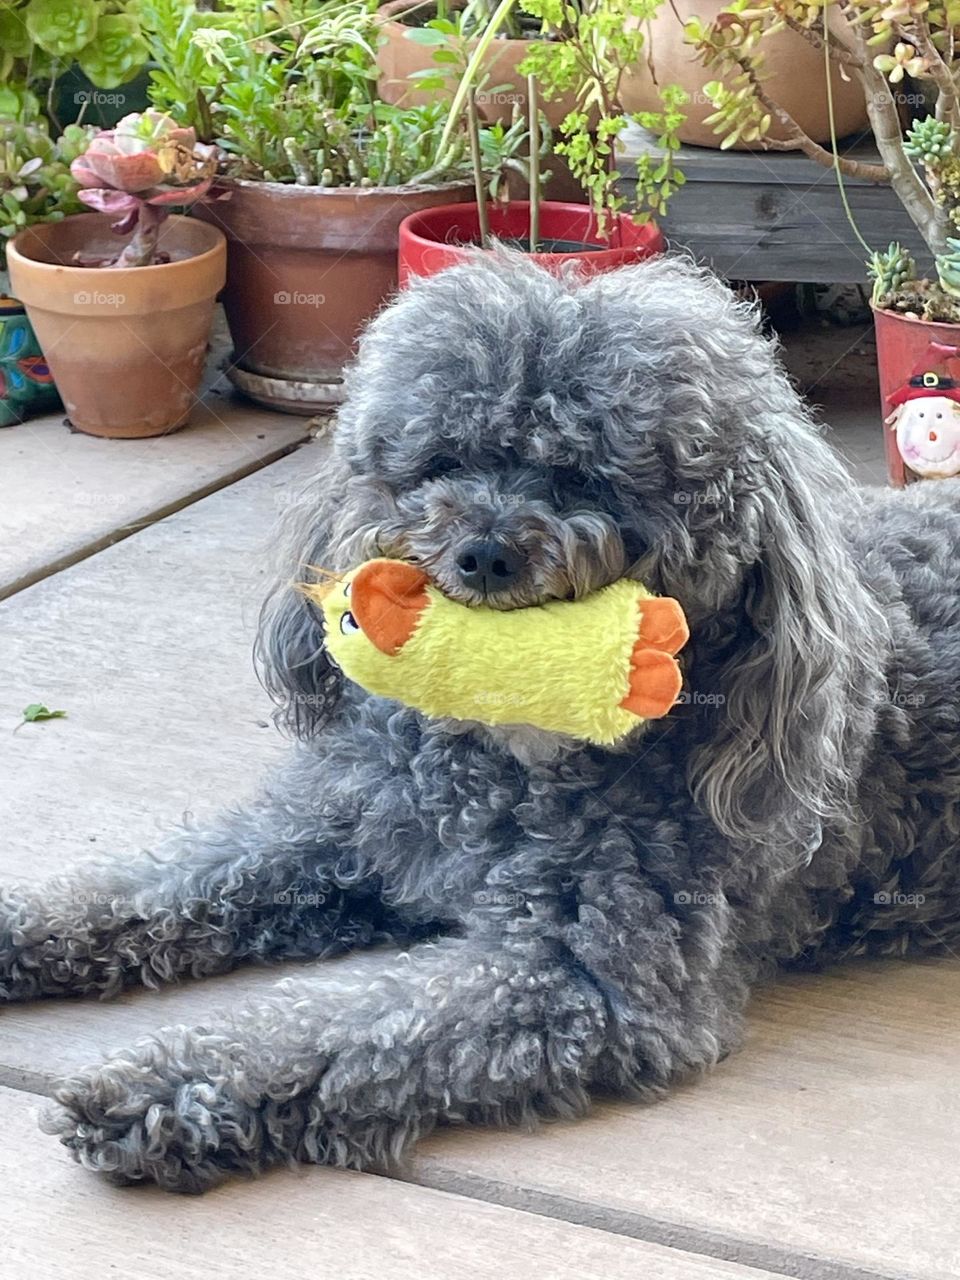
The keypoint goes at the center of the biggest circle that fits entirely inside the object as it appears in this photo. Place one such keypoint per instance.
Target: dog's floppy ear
(332, 525)
(752, 541)
(798, 675)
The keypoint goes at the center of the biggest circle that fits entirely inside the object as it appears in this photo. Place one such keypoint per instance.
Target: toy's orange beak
(387, 598)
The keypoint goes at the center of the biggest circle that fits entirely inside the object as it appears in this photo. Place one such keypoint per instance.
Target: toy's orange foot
(662, 625)
(387, 598)
(655, 683)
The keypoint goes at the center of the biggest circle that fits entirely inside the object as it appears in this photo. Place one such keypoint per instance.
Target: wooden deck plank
(147, 646)
(825, 1148)
(62, 1221)
(775, 215)
(66, 494)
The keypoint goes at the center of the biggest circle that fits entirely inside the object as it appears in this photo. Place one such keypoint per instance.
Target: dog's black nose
(488, 565)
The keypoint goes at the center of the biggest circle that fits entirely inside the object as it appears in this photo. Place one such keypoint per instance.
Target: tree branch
(798, 140)
(837, 52)
(888, 133)
(905, 180)
(937, 70)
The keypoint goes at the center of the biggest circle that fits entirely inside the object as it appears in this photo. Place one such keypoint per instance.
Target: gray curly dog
(575, 920)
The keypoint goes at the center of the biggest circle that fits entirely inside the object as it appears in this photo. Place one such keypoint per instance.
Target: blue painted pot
(26, 384)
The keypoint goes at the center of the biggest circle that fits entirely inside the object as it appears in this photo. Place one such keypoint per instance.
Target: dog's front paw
(18, 981)
(147, 1116)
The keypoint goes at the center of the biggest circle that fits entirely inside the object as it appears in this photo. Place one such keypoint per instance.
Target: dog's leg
(254, 884)
(491, 1030)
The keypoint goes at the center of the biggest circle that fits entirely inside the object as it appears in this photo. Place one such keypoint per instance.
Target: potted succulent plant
(60, 60)
(584, 54)
(880, 49)
(321, 174)
(124, 325)
(74, 55)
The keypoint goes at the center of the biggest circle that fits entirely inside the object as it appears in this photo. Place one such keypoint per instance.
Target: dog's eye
(348, 624)
(635, 545)
(441, 464)
(575, 486)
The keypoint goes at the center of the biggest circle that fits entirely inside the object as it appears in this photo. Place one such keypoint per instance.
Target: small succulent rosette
(26, 386)
(108, 46)
(136, 173)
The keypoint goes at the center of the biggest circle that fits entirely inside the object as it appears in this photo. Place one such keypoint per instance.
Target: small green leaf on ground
(38, 711)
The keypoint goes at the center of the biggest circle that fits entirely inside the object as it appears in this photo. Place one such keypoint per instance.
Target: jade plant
(585, 48)
(881, 46)
(137, 173)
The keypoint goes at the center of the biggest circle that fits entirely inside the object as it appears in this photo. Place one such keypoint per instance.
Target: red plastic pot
(901, 343)
(447, 234)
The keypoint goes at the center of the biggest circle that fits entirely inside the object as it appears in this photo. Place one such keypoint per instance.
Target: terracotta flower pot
(126, 346)
(307, 268)
(795, 71)
(398, 56)
(902, 342)
(446, 236)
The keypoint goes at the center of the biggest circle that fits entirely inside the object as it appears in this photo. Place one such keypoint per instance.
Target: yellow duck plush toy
(591, 668)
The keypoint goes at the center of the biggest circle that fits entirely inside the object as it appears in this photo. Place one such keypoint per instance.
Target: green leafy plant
(584, 48)
(502, 153)
(295, 101)
(35, 180)
(450, 35)
(880, 46)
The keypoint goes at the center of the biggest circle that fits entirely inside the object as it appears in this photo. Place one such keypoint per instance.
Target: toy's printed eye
(346, 589)
(348, 624)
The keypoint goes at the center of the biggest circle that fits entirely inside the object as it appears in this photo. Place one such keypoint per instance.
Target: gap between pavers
(824, 1150)
(64, 495)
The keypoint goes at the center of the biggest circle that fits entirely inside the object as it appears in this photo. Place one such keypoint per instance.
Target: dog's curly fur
(583, 919)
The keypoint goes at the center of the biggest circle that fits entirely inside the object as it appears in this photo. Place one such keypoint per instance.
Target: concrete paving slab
(64, 494)
(147, 647)
(293, 1225)
(825, 1149)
